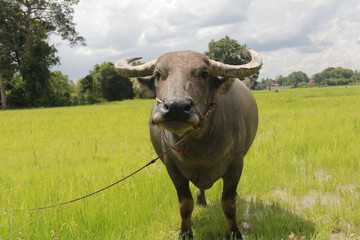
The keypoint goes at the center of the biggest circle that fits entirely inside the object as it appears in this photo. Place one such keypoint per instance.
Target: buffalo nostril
(187, 108)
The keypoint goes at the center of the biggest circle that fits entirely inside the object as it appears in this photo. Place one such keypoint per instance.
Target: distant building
(275, 85)
(312, 80)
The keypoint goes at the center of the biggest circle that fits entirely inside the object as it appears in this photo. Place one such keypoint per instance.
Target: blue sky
(290, 35)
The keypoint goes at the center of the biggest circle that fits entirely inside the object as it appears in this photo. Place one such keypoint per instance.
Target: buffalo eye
(204, 74)
(157, 75)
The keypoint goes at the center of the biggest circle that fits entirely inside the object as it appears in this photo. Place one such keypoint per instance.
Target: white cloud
(291, 35)
(84, 52)
(277, 24)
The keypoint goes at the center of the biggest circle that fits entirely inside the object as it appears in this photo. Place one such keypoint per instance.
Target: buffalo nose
(177, 109)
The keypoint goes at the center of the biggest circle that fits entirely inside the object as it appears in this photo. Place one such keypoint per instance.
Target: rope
(205, 117)
(152, 161)
(90, 194)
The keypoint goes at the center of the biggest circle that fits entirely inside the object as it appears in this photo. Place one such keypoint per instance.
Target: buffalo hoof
(186, 236)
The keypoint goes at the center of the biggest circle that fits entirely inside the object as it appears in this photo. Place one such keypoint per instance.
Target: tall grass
(302, 175)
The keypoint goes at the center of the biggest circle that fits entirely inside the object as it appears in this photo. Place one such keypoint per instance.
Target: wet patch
(310, 200)
(322, 176)
(313, 198)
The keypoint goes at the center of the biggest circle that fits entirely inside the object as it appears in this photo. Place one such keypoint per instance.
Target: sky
(290, 35)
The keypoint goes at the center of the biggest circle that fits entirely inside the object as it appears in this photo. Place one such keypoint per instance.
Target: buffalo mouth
(177, 126)
(176, 115)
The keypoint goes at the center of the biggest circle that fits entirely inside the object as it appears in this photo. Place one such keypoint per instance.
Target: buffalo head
(185, 84)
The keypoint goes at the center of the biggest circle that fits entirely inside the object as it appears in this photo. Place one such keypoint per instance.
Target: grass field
(301, 177)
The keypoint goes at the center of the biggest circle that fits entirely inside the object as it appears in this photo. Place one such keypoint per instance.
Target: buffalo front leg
(186, 202)
(228, 200)
(186, 206)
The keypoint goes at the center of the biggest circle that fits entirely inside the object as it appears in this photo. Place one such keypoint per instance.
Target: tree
(356, 77)
(229, 51)
(29, 23)
(283, 81)
(60, 90)
(9, 36)
(113, 86)
(335, 76)
(89, 91)
(103, 83)
(2, 93)
(267, 83)
(35, 66)
(297, 77)
(16, 93)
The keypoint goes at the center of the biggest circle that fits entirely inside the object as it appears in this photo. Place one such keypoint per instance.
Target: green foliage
(25, 28)
(61, 90)
(356, 77)
(60, 20)
(9, 37)
(335, 76)
(229, 51)
(103, 83)
(283, 81)
(293, 79)
(17, 96)
(337, 81)
(328, 77)
(89, 91)
(306, 85)
(36, 61)
(298, 77)
(113, 86)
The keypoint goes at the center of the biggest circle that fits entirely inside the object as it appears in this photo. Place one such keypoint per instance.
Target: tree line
(100, 85)
(332, 76)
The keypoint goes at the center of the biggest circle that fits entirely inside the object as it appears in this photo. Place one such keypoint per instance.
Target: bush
(337, 81)
(306, 85)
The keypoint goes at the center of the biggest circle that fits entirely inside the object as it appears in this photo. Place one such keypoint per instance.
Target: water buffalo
(188, 87)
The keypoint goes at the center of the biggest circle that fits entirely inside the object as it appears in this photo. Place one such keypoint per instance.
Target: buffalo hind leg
(200, 197)
(228, 200)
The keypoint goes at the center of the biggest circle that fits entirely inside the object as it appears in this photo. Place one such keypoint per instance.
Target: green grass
(301, 176)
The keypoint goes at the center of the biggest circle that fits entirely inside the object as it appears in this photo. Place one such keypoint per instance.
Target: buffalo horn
(238, 71)
(123, 69)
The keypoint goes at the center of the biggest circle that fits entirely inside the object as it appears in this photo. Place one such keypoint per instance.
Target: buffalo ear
(223, 84)
(145, 86)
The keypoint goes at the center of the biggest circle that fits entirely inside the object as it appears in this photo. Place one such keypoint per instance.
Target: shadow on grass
(256, 219)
